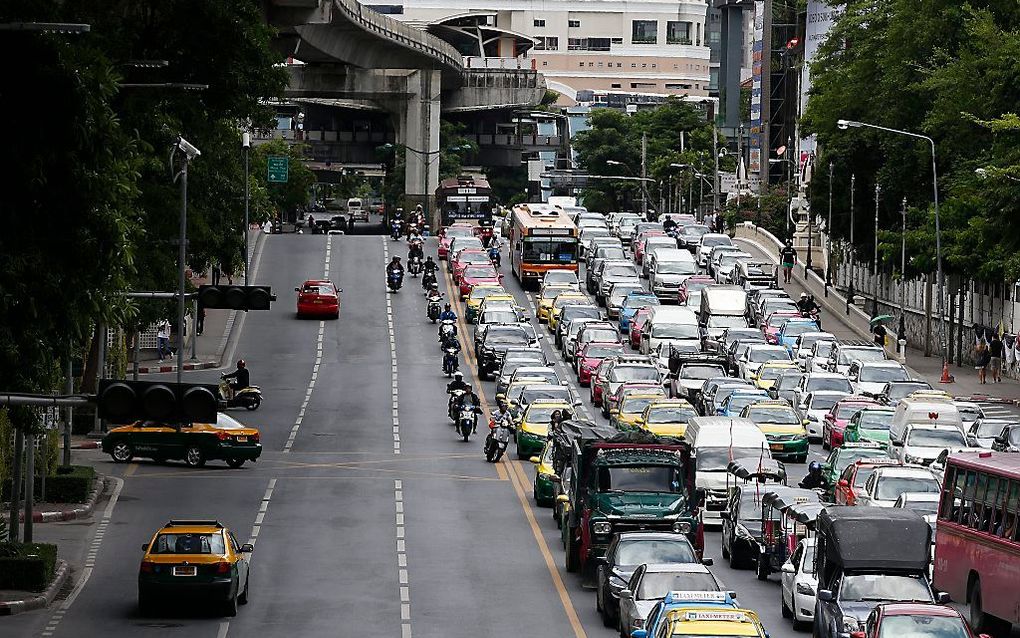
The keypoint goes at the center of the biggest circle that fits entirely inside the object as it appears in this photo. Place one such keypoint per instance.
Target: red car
(596, 387)
(844, 492)
(691, 284)
(775, 321)
(475, 274)
(639, 248)
(468, 257)
(447, 234)
(483, 232)
(318, 297)
(591, 356)
(637, 326)
(838, 416)
(916, 620)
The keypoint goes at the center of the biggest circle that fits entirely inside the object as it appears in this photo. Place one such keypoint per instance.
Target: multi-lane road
(368, 515)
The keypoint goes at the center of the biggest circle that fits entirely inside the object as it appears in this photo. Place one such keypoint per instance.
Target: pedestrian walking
(995, 352)
(788, 256)
(200, 320)
(879, 332)
(216, 274)
(163, 339)
(981, 360)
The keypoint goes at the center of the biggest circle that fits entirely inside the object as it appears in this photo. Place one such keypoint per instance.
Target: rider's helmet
(396, 258)
(789, 242)
(240, 363)
(428, 258)
(803, 295)
(446, 307)
(814, 467)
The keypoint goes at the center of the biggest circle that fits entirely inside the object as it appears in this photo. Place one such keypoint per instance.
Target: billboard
(820, 17)
(757, 60)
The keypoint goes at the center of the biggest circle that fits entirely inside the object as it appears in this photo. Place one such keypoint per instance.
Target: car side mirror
(297, 290)
(942, 598)
(535, 460)
(626, 594)
(643, 633)
(825, 595)
(843, 483)
(247, 548)
(145, 547)
(708, 561)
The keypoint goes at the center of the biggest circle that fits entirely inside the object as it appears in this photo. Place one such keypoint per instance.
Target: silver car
(651, 583)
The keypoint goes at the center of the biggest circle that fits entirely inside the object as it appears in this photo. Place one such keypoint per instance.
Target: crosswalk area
(996, 410)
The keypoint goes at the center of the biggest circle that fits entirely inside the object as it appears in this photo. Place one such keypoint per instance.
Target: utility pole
(903, 273)
(190, 152)
(715, 183)
(740, 160)
(853, 250)
(874, 274)
(246, 146)
(69, 411)
(828, 239)
(29, 483)
(644, 188)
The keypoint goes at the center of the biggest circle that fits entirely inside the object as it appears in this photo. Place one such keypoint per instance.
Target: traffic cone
(946, 377)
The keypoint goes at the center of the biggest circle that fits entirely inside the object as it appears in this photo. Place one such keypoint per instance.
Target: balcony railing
(509, 64)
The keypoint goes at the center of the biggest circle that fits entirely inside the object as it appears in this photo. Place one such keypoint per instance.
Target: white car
(803, 345)
(886, 484)
(650, 584)
(799, 584)
(817, 360)
(757, 354)
(924, 503)
(815, 406)
(709, 241)
(868, 378)
(561, 277)
(923, 442)
(969, 412)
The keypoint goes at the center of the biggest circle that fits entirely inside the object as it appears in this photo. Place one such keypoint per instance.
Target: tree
(295, 191)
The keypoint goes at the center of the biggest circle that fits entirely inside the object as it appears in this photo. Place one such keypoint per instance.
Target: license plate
(317, 301)
(776, 446)
(185, 570)
(242, 439)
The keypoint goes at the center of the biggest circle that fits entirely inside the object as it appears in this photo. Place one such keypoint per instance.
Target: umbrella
(880, 319)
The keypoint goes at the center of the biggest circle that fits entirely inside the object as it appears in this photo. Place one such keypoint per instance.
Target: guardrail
(475, 62)
(397, 31)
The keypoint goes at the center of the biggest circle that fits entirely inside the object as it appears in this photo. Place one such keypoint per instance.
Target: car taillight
(222, 567)
(255, 437)
(147, 567)
(221, 435)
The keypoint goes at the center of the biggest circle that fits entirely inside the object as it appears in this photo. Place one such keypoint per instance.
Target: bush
(71, 484)
(32, 569)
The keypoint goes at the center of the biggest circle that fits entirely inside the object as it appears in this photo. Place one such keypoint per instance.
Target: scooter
(433, 309)
(450, 361)
(455, 396)
(395, 280)
(414, 265)
(466, 421)
(494, 255)
(395, 230)
(447, 329)
(815, 315)
(249, 398)
(498, 438)
(428, 280)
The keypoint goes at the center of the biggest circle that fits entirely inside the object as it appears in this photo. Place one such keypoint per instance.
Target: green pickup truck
(622, 482)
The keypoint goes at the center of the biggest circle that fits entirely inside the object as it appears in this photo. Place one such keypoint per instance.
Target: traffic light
(122, 401)
(236, 297)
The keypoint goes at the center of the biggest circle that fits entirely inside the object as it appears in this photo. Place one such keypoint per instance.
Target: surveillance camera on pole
(186, 147)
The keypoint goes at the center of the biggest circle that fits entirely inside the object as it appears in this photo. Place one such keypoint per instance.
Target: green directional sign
(279, 168)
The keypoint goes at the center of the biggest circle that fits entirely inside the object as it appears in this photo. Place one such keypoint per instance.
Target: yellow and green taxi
(478, 293)
(769, 372)
(533, 428)
(667, 417)
(546, 297)
(545, 477)
(783, 427)
(561, 300)
(691, 621)
(194, 559)
(627, 415)
(194, 443)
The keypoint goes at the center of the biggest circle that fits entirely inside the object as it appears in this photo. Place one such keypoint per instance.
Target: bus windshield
(558, 250)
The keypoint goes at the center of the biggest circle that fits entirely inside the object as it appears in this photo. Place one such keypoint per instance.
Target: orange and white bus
(542, 237)
(977, 537)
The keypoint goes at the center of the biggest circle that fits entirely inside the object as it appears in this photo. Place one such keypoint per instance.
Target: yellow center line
(518, 479)
(131, 469)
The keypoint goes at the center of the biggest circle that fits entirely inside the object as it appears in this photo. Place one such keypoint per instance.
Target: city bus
(977, 541)
(464, 198)
(541, 238)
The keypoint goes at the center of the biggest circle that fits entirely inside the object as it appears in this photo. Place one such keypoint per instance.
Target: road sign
(727, 182)
(279, 168)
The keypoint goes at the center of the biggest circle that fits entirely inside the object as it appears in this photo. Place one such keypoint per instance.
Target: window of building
(545, 63)
(588, 44)
(633, 66)
(615, 85)
(539, 23)
(581, 65)
(642, 85)
(677, 87)
(619, 65)
(644, 65)
(644, 31)
(617, 40)
(387, 9)
(678, 32)
(698, 31)
(573, 24)
(547, 43)
(653, 65)
(600, 65)
(713, 80)
(590, 64)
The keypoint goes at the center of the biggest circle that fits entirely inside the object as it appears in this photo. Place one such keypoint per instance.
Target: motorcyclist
(241, 378)
(668, 224)
(447, 314)
(806, 304)
(494, 255)
(814, 478)
(394, 267)
(455, 385)
(470, 400)
(415, 249)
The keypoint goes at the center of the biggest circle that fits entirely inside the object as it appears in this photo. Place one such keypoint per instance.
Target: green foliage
(6, 450)
(286, 196)
(943, 69)
(70, 484)
(768, 211)
(509, 184)
(30, 568)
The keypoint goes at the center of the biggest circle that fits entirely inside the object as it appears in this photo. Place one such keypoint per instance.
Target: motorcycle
(395, 230)
(467, 419)
(450, 360)
(433, 309)
(395, 280)
(455, 396)
(494, 255)
(414, 265)
(498, 438)
(249, 398)
(428, 280)
(815, 315)
(447, 330)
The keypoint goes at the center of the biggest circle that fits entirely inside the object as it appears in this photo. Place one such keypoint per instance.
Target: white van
(669, 324)
(722, 307)
(922, 407)
(667, 271)
(714, 440)
(357, 208)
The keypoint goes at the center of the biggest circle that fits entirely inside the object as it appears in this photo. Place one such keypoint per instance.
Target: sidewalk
(856, 325)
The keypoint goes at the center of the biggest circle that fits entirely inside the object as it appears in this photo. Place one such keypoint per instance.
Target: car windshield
(822, 403)
(645, 478)
(563, 300)
(696, 286)
(319, 290)
(189, 544)
(601, 352)
(580, 311)
(619, 293)
(777, 319)
(656, 552)
(847, 410)
(788, 380)
(1013, 436)
(836, 384)
(716, 241)
(640, 301)
(714, 459)
(701, 372)
(727, 321)
(620, 271)
(773, 415)
(901, 390)
(883, 587)
(875, 419)
(480, 272)
(611, 252)
(542, 413)
(873, 374)
(559, 393)
(676, 268)
(924, 508)
(549, 376)
(849, 355)
(922, 626)
(458, 231)
(671, 414)
(635, 373)
(795, 328)
(847, 456)
(771, 372)
(988, 428)
(694, 231)
(636, 405)
(741, 401)
(822, 348)
(560, 277)
(889, 488)
(657, 584)
(675, 331)
(503, 335)
(923, 437)
(762, 354)
(601, 334)
(549, 250)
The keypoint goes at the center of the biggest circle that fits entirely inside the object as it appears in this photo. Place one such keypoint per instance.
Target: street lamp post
(246, 145)
(903, 268)
(828, 239)
(844, 124)
(190, 153)
(874, 273)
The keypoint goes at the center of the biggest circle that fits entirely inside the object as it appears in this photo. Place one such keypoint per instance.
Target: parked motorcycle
(498, 438)
(433, 309)
(395, 280)
(249, 398)
(466, 421)
(450, 361)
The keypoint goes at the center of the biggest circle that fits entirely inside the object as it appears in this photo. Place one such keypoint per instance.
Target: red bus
(977, 537)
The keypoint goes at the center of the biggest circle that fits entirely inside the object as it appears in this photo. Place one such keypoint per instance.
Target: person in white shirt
(163, 339)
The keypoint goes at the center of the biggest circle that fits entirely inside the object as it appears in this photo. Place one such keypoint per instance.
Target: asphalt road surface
(369, 516)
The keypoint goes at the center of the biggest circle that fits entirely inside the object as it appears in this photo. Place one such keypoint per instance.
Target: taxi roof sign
(716, 616)
(862, 444)
(702, 596)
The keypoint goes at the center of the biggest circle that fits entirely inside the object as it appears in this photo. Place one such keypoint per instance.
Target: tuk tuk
(778, 531)
(757, 469)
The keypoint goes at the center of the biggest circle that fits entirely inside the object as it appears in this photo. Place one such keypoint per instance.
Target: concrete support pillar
(732, 27)
(419, 133)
